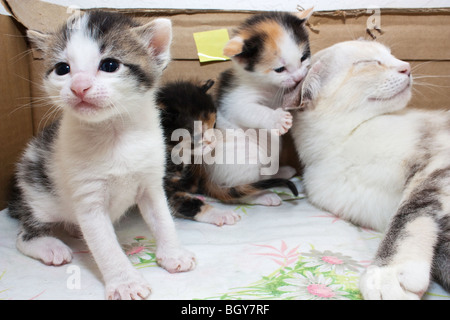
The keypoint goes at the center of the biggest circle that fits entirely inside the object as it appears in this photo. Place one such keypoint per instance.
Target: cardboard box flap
(37, 15)
(410, 32)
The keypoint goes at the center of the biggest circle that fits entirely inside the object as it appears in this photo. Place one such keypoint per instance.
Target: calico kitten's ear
(305, 14)
(312, 84)
(39, 39)
(157, 37)
(208, 84)
(234, 47)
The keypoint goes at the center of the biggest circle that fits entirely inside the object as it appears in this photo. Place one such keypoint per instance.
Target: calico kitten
(377, 164)
(105, 154)
(184, 103)
(271, 56)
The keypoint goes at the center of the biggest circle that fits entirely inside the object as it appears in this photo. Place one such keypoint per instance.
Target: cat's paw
(407, 281)
(49, 250)
(131, 288)
(267, 199)
(176, 259)
(218, 217)
(282, 121)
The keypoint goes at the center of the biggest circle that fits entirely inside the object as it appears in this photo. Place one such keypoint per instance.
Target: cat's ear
(312, 84)
(234, 47)
(207, 85)
(39, 39)
(305, 14)
(157, 37)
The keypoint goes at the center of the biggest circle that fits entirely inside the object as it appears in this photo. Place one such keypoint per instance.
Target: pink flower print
(334, 217)
(327, 261)
(321, 290)
(311, 287)
(332, 260)
(284, 257)
(140, 251)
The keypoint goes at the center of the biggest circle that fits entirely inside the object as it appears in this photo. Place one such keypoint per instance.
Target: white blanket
(293, 251)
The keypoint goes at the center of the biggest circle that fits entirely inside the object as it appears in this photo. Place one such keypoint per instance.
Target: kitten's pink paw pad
(176, 260)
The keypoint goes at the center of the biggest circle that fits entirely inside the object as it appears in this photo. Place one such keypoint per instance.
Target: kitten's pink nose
(405, 68)
(81, 83)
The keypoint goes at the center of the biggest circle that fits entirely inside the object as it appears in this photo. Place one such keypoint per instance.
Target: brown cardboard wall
(15, 107)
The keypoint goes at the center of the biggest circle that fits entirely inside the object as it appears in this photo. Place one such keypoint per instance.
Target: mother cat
(371, 161)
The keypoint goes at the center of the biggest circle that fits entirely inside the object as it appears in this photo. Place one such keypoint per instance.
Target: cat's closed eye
(365, 62)
(280, 69)
(304, 57)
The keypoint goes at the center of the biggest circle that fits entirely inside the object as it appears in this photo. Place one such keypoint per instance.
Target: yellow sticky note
(210, 45)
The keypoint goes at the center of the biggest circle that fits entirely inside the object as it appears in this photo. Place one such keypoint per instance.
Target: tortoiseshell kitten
(182, 104)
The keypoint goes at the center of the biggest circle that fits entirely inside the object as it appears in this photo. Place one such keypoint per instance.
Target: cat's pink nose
(405, 68)
(81, 83)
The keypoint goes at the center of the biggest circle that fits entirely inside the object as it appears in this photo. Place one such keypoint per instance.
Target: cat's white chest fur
(356, 180)
(115, 158)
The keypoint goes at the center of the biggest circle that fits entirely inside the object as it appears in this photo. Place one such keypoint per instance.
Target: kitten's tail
(232, 193)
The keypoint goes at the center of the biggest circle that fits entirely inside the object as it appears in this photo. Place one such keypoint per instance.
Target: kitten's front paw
(49, 250)
(134, 288)
(218, 217)
(176, 260)
(407, 281)
(283, 121)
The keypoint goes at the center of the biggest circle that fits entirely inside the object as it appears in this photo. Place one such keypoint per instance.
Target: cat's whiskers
(117, 108)
(49, 116)
(32, 102)
(420, 65)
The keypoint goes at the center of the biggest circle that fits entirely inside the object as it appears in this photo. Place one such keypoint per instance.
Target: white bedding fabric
(293, 251)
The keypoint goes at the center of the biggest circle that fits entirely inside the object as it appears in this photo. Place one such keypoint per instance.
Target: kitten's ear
(312, 84)
(234, 47)
(207, 85)
(305, 14)
(157, 37)
(39, 39)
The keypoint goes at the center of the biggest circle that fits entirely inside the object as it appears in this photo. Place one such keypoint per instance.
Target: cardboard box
(418, 36)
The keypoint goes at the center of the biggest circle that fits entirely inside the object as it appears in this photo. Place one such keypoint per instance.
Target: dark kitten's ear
(305, 14)
(208, 84)
(157, 37)
(39, 39)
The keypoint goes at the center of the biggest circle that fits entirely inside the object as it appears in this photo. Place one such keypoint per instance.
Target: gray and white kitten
(371, 161)
(107, 151)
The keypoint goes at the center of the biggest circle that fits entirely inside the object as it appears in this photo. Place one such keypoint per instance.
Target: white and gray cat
(107, 151)
(270, 53)
(371, 161)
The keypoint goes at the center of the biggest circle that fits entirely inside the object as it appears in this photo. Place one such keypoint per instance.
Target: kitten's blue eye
(62, 68)
(280, 70)
(109, 65)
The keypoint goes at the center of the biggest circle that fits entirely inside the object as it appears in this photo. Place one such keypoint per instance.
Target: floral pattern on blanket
(315, 275)
(141, 252)
(293, 251)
